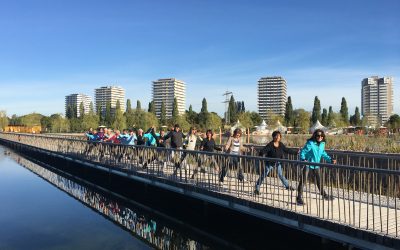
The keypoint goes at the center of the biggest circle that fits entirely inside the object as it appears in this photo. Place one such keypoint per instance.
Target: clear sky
(50, 49)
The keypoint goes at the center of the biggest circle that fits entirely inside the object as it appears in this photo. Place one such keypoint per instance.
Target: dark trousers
(303, 179)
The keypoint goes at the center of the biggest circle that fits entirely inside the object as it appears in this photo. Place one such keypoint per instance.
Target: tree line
(138, 117)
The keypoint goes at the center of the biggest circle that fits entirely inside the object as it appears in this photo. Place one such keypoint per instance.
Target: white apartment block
(75, 100)
(272, 96)
(111, 94)
(377, 99)
(166, 90)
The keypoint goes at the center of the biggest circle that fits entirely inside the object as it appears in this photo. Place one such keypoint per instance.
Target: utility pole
(227, 95)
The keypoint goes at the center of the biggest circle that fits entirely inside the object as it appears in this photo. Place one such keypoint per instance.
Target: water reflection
(140, 225)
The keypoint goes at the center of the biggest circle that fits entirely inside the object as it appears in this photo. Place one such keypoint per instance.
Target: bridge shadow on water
(188, 223)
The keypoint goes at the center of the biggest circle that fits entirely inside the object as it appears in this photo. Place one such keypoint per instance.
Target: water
(34, 214)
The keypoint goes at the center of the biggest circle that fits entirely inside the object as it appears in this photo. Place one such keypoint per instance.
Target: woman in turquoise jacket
(313, 151)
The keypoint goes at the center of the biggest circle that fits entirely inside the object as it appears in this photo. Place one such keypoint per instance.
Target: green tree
(59, 124)
(232, 109)
(191, 116)
(32, 119)
(324, 117)
(147, 120)
(302, 120)
(214, 122)
(394, 122)
(355, 119)
(163, 116)
(204, 115)
(71, 111)
(90, 120)
(255, 118)
(3, 120)
(100, 114)
(289, 118)
(138, 105)
(108, 119)
(243, 108)
(344, 111)
(330, 117)
(81, 110)
(152, 108)
(175, 112)
(316, 112)
(45, 123)
(119, 119)
(245, 119)
(128, 106)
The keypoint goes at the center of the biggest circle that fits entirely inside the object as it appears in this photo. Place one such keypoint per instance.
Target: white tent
(279, 127)
(238, 125)
(317, 125)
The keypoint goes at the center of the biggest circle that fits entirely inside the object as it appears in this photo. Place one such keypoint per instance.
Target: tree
(330, 120)
(302, 120)
(108, 120)
(81, 110)
(245, 119)
(152, 108)
(204, 116)
(394, 122)
(128, 106)
(344, 111)
(232, 109)
(175, 112)
(289, 118)
(71, 111)
(3, 119)
(255, 118)
(45, 123)
(119, 118)
(191, 116)
(316, 113)
(243, 108)
(90, 120)
(59, 124)
(355, 119)
(163, 116)
(324, 117)
(214, 121)
(138, 105)
(100, 113)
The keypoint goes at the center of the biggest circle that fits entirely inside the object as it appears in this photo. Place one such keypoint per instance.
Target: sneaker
(299, 201)
(256, 192)
(290, 188)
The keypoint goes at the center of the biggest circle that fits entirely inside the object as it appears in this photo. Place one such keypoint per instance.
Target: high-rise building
(75, 100)
(377, 99)
(272, 96)
(165, 90)
(109, 94)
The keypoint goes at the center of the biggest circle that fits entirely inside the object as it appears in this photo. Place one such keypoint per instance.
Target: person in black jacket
(274, 149)
(177, 143)
(208, 145)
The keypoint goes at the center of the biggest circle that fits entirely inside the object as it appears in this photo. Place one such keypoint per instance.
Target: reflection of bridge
(364, 212)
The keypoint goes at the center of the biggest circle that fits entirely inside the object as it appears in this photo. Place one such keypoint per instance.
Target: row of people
(313, 151)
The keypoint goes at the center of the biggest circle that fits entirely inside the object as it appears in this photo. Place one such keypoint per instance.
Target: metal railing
(359, 196)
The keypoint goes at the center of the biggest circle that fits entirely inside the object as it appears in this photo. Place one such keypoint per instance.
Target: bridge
(366, 187)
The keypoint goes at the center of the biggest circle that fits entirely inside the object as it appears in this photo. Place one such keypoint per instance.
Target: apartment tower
(75, 100)
(272, 96)
(110, 94)
(165, 90)
(377, 99)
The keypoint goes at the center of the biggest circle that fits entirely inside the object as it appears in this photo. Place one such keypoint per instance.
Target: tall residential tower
(110, 94)
(377, 99)
(272, 96)
(75, 100)
(166, 90)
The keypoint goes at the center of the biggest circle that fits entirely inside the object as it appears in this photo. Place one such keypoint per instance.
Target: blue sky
(50, 49)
